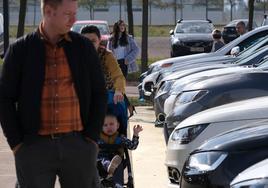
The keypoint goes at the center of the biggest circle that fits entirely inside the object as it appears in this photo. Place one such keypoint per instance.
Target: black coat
(22, 79)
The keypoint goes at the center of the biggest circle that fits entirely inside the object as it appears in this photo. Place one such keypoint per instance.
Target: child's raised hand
(137, 129)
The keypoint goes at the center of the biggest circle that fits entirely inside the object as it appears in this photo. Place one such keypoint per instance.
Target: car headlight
(255, 183)
(200, 163)
(187, 134)
(165, 87)
(190, 96)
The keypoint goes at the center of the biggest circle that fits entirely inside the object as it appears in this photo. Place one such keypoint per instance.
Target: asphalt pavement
(147, 159)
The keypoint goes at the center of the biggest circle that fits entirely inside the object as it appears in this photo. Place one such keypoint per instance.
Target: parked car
(219, 160)
(176, 88)
(193, 131)
(165, 86)
(101, 24)
(216, 91)
(229, 31)
(242, 42)
(190, 37)
(254, 176)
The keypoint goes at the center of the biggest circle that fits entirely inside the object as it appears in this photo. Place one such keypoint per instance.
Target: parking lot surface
(147, 159)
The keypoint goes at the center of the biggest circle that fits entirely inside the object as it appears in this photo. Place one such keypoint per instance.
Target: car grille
(148, 86)
(198, 43)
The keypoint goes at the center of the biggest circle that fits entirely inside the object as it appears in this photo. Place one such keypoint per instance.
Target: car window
(250, 40)
(104, 29)
(254, 57)
(194, 27)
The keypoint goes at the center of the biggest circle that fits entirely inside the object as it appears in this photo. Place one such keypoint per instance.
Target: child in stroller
(111, 152)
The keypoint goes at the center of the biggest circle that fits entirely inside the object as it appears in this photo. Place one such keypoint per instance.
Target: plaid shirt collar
(44, 37)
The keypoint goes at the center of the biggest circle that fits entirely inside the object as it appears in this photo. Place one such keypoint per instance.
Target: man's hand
(16, 148)
(126, 62)
(118, 97)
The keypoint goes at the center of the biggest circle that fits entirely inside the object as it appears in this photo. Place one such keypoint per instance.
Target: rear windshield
(104, 29)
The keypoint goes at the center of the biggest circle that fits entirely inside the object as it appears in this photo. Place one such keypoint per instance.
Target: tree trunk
(130, 17)
(6, 25)
(22, 14)
(250, 14)
(144, 44)
(175, 12)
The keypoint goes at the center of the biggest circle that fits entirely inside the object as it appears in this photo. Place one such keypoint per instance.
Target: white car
(196, 129)
(255, 176)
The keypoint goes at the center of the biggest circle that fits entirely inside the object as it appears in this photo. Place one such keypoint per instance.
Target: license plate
(197, 49)
(232, 35)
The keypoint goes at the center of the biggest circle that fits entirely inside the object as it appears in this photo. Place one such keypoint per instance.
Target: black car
(219, 160)
(191, 37)
(229, 31)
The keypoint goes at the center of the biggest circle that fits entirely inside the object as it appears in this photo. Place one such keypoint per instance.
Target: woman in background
(124, 48)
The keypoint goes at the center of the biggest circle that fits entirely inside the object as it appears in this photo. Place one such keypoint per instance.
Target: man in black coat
(53, 102)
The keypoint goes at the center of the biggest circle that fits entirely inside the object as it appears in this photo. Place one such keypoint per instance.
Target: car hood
(193, 37)
(105, 37)
(246, 79)
(181, 59)
(241, 139)
(256, 108)
(256, 171)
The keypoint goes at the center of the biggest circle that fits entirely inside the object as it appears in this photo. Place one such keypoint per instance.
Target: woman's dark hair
(216, 34)
(90, 29)
(122, 41)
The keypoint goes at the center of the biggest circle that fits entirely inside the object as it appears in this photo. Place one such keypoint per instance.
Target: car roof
(234, 22)
(256, 171)
(250, 109)
(189, 21)
(91, 22)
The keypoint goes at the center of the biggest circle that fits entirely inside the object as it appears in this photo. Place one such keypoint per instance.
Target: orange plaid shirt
(60, 110)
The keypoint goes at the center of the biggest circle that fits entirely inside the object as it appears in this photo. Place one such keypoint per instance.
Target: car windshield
(256, 45)
(194, 27)
(251, 56)
(104, 29)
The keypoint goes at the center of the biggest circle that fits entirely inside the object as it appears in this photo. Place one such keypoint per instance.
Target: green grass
(153, 31)
(135, 101)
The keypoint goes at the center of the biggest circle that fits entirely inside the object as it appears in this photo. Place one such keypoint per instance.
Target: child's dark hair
(90, 29)
(110, 114)
(216, 34)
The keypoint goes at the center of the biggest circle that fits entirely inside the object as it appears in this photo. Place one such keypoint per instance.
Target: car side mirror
(171, 32)
(235, 51)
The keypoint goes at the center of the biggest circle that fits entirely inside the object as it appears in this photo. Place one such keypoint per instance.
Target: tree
(22, 14)
(130, 17)
(91, 4)
(250, 14)
(144, 42)
(232, 4)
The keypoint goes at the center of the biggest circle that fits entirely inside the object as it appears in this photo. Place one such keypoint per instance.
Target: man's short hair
(241, 23)
(52, 3)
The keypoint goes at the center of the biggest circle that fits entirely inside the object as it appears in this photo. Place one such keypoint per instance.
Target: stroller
(120, 111)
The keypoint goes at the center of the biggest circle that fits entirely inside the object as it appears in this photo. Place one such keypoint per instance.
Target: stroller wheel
(130, 183)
